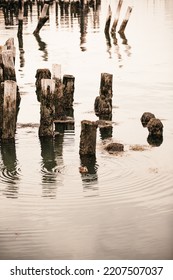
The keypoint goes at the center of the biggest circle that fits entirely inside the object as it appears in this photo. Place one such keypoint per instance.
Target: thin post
(42, 20)
(88, 138)
(47, 108)
(108, 20)
(117, 15)
(9, 110)
(125, 21)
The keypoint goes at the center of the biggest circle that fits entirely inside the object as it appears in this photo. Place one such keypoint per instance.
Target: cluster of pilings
(56, 96)
(155, 128)
(9, 93)
(111, 30)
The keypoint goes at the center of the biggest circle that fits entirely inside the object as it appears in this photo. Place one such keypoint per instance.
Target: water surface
(123, 208)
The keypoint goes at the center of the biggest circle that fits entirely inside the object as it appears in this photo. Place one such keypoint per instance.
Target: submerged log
(47, 108)
(9, 110)
(88, 138)
(114, 148)
(125, 21)
(42, 20)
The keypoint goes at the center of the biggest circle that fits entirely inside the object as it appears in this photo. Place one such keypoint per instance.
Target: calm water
(122, 209)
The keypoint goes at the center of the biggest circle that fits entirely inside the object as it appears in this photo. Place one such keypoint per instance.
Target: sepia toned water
(122, 209)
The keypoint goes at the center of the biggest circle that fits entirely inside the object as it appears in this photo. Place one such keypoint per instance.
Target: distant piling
(88, 138)
(114, 25)
(47, 108)
(108, 20)
(125, 21)
(42, 20)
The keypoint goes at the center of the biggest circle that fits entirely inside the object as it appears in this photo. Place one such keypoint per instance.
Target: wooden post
(1, 75)
(68, 94)
(108, 20)
(10, 46)
(42, 20)
(125, 21)
(88, 138)
(20, 21)
(41, 74)
(103, 103)
(8, 65)
(47, 108)
(9, 110)
(114, 25)
(59, 106)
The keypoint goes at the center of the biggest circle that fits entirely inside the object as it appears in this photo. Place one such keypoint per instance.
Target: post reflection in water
(9, 170)
(42, 47)
(89, 179)
(52, 164)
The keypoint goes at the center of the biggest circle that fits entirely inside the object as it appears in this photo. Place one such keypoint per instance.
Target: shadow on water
(51, 165)
(9, 169)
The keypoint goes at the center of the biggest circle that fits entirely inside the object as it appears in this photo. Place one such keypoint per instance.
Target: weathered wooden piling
(8, 65)
(155, 127)
(68, 94)
(114, 25)
(9, 44)
(20, 20)
(41, 74)
(125, 21)
(88, 138)
(145, 118)
(9, 110)
(108, 20)
(42, 20)
(103, 103)
(47, 108)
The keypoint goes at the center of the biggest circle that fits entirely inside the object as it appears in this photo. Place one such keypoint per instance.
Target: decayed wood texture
(88, 138)
(9, 110)
(108, 20)
(41, 74)
(47, 108)
(103, 102)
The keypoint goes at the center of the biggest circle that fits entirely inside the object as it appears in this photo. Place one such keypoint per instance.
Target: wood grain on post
(9, 110)
(47, 108)
(42, 20)
(125, 21)
(8, 65)
(10, 46)
(68, 91)
(41, 74)
(88, 138)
